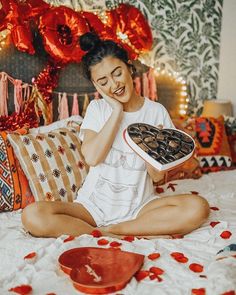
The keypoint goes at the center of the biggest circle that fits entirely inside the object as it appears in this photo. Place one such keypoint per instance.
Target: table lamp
(217, 107)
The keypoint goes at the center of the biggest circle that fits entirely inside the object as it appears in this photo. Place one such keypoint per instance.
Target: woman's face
(113, 77)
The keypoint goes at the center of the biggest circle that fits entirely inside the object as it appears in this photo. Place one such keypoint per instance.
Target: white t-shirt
(115, 189)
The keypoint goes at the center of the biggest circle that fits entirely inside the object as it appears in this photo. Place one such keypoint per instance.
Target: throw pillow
(15, 192)
(213, 148)
(52, 162)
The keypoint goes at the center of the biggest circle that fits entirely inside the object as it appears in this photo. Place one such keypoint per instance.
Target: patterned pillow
(15, 192)
(52, 162)
(213, 148)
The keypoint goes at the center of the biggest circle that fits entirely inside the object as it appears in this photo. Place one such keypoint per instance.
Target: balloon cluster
(60, 29)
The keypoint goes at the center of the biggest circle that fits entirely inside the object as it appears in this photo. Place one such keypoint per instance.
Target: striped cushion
(52, 162)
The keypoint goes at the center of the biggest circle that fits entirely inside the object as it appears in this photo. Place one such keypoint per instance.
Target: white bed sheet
(43, 274)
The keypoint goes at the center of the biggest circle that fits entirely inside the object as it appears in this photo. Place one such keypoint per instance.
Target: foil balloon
(132, 29)
(15, 21)
(103, 30)
(61, 28)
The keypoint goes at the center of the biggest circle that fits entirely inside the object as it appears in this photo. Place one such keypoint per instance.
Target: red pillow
(15, 192)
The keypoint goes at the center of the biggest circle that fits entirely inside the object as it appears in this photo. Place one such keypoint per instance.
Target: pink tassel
(75, 106)
(18, 99)
(152, 85)
(145, 85)
(137, 85)
(3, 94)
(96, 95)
(63, 110)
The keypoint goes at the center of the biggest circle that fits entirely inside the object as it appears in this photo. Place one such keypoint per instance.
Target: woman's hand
(114, 103)
(156, 175)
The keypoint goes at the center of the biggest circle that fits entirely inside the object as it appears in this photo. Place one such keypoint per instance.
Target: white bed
(43, 274)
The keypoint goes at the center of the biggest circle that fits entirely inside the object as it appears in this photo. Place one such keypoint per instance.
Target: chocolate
(163, 145)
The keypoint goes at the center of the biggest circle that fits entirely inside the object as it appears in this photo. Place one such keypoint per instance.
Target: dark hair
(97, 49)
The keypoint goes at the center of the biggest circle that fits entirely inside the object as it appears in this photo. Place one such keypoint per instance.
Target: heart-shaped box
(162, 148)
(100, 270)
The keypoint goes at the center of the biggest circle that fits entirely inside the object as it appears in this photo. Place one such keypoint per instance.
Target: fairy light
(3, 38)
(181, 85)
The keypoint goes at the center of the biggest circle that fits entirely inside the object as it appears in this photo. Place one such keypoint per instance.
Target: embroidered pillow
(15, 192)
(213, 148)
(52, 162)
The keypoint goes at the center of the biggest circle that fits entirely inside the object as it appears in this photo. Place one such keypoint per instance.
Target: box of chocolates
(162, 148)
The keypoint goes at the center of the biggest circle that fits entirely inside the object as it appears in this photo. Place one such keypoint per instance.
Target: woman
(117, 196)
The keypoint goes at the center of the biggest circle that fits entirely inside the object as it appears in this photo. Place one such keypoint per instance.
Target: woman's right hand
(114, 103)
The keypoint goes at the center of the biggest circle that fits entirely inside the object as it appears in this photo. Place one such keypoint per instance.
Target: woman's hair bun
(88, 41)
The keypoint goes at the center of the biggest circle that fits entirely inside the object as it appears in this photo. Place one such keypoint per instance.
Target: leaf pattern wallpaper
(186, 39)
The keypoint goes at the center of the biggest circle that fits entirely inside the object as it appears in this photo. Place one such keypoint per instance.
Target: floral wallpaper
(186, 39)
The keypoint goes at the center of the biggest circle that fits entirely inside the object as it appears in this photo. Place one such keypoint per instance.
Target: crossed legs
(163, 216)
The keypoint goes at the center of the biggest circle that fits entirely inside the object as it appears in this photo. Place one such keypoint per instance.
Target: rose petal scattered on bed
(226, 234)
(179, 257)
(177, 237)
(152, 276)
(194, 193)
(141, 275)
(96, 233)
(102, 242)
(22, 289)
(156, 270)
(214, 223)
(51, 294)
(115, 244)
(154, 256)
(232, 292)
(172, 186)
(70, 238)
(30, 255)
(200, 291)
(159, 190)
(195, 267)
(214, 208)
(129, 238)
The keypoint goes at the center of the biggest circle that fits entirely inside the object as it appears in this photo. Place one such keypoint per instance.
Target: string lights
(179, 83)
(3, 38)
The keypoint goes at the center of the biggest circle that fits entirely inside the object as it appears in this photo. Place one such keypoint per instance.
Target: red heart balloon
(99, 270)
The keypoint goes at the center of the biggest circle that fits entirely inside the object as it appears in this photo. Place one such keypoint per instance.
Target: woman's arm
(96, 146)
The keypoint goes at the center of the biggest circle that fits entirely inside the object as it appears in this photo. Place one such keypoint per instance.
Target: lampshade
(217, 107)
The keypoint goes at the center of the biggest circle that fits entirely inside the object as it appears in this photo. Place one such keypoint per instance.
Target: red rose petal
(22, 289)
(96, 233)
(142, 274)
(226, 234)
(159, 190)
(194, 192)
(195, 267)
(30, 255)
(156, 270)
(159, 279)
(172, 186)
(177, 237)
(70, 238)
(154, 256)
(102, 242)
(214, 208)
(51, 294)
(115, 244)
(179, 257)
(129, 238)
(152, 276)
(214, 223)
(229, 293)
(200, 291)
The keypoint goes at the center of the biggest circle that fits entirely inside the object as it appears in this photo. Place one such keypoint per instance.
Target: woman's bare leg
(52, 219)
(173, 215)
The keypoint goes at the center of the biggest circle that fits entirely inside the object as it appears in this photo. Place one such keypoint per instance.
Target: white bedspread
(43, 274)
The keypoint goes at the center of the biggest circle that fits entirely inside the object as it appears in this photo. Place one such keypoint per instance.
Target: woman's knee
(198, 209)
(34, 218)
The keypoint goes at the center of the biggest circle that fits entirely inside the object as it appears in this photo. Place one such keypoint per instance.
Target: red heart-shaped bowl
(98, 270)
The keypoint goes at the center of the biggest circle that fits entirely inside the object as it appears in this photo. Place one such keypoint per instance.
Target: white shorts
(102, 218)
